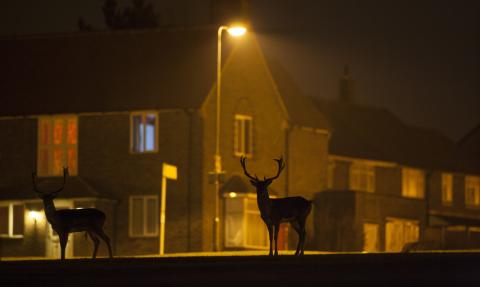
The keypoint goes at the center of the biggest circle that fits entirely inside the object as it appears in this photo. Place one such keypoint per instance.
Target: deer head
(48, 195)
(262, 185)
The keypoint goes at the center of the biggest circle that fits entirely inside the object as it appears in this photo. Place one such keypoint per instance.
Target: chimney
(346, 86)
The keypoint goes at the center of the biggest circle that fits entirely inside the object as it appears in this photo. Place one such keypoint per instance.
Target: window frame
(362, 169)
(144, 116)
(405, 223)
(407, 173)
(447, 188)
(472, 181)
(11, 220)
(145, 199)
(377, 236)
(241, 151)
(50, 146)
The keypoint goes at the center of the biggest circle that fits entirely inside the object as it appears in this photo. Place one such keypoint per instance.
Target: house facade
(392, 186)
(132, 115)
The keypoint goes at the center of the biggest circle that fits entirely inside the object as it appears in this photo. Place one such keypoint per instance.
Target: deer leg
(63, 243)
(277, 228)
(96, 241)
(106, 239)
(303, 235)
(297, 228)
(270, 236)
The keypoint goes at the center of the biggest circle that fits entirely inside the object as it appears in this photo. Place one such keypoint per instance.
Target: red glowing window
(57, 145)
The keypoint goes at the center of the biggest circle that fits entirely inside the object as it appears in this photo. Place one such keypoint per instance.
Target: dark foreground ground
(414, 269)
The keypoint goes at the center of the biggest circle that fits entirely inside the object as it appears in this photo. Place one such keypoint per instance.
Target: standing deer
(294, 210)
(65, 221)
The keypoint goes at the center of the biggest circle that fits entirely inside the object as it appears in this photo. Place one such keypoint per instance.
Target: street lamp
(235, 31)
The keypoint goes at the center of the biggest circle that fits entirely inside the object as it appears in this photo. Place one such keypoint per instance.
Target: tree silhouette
(139, 15)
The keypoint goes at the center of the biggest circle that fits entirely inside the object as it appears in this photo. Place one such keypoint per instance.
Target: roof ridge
(76, 34)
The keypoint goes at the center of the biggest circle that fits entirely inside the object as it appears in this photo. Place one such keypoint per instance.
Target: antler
(34, 180)
(281, 166)
(242, 162)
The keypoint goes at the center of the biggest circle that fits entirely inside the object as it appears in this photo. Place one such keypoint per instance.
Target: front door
(52, 248)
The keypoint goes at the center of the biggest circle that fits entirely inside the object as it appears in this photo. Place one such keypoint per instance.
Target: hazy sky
(419, 59)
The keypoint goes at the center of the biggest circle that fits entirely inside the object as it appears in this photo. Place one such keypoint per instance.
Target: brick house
(390, 184)
(123, 108)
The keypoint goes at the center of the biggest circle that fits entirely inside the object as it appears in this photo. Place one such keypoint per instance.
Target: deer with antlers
(65, 221)
(294, 210)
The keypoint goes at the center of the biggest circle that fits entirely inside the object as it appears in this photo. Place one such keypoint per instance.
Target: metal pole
(217, 157)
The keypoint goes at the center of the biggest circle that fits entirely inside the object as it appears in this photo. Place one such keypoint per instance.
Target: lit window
(143, 132)
(243, 225)
(447, 188)
(370, 237)
(413, 183)
(400, 232)
(472, 191)
(143, 216)
(57, 145)
(362, 176)
(243, 136)
(12, 220)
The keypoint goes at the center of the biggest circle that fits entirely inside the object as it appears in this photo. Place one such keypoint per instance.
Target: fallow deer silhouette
(65, 221)
(274, 211)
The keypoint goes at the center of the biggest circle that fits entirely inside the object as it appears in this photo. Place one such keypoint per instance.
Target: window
(447, 188)
(400, 232)
(12, 220)
(370, 237)
(144, 132)
(143, 216)
(243, 136)
(57, 145)
(472, 191)
(243, 225)
(413, 183)
(362, 176)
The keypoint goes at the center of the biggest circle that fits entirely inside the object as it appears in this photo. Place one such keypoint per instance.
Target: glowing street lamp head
(237, 31)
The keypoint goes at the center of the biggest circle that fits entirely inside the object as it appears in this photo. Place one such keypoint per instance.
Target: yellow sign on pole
(168, 172)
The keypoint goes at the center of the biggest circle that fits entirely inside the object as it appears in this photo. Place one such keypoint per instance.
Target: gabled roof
(122, 71)
(376, 134)
(469, 151)
(107, 71)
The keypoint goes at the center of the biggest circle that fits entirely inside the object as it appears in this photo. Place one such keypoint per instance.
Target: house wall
(106, 160)
(247, 88)
(18, 153)
(340, 215)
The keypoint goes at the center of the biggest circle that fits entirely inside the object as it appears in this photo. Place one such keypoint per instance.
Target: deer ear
(253, 182)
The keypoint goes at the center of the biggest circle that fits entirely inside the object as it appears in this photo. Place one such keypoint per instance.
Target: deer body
(273, 212)
(65, 221)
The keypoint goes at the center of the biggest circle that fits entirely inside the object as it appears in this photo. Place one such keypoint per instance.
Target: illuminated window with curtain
(472, 191)
(399, 232)
(143, 132)
(447, 188)
(413, 183)
(57, 145)
(143, 216)
(243, 144)
(370, 237)
(12, 217)
(362, 176)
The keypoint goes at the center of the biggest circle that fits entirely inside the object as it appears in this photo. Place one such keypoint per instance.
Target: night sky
(419, 59)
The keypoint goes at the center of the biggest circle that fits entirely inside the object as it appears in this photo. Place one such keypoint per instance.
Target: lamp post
(235, 31)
